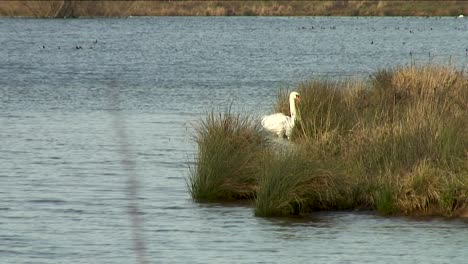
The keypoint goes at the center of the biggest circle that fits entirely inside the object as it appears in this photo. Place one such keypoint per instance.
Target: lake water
(67, 114)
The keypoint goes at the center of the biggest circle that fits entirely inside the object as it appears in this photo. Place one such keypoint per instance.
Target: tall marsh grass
(227, 163)
(292, 184)
(397, 144)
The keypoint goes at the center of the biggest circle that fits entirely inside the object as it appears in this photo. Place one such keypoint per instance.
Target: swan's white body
(279, 123)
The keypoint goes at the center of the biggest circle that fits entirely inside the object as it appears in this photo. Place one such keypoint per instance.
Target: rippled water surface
(63, 194)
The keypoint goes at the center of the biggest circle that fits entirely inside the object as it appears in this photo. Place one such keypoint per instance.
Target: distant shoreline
(75, 9)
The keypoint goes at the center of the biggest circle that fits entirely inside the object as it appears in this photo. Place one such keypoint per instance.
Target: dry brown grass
(404, 140)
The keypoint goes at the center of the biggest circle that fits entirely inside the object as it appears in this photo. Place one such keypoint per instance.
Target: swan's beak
(298, 98)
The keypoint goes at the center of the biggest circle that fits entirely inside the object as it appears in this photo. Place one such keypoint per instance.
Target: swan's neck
(292, 108)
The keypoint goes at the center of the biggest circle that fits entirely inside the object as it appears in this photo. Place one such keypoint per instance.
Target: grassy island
(396, 144)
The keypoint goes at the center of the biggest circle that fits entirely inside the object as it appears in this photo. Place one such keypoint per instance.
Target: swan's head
(294, 96)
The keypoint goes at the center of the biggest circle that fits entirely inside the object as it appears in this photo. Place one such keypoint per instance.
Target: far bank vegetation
(65, 8)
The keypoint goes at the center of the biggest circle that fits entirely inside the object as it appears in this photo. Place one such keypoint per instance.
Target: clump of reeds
(397, 144)
(226, 166)
(291, 183)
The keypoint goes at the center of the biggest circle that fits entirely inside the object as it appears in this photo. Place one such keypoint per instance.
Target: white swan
(281, 124)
